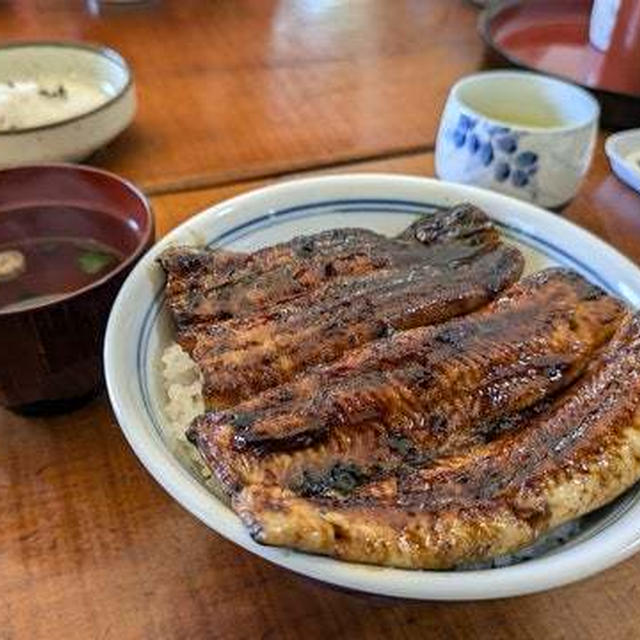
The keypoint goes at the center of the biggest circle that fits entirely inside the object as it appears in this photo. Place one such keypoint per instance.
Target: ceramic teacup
(524, 134)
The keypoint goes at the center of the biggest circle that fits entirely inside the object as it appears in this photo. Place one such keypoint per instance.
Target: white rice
(183, 386)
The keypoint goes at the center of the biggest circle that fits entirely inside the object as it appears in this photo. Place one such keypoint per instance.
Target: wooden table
(90, 546)
(234, 89)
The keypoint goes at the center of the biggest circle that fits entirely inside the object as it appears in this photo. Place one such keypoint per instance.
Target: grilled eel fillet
(492, 499)
(211, 285)
(414, 396)
(252, 322)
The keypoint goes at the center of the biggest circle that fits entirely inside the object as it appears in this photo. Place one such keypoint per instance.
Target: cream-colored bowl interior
(527, 100)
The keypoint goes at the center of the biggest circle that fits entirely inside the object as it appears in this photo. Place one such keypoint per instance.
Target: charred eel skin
(492, 499)
(417, 394)
(248, 335)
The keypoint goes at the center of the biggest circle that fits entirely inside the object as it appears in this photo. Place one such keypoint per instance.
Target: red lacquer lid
(552, 36)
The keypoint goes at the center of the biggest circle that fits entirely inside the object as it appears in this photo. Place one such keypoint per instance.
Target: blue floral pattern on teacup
(500, 147)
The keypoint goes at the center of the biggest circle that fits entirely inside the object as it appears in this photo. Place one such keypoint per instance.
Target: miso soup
(38, 270)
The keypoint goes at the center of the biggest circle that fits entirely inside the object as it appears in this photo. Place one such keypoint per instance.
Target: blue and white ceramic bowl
(523, 134)
(139, 330)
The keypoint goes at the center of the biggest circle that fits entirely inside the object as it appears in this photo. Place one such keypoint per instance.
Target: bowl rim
(131, 258)
(101, 50)
(613, 140)
(615, 543)
(533, 76)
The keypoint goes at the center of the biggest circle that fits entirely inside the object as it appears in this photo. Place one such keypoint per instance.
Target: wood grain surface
(231, 89)
(91, 547)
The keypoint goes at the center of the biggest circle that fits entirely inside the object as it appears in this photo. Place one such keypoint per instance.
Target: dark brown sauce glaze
(237, 362)
(583, 421)
(269, 315)
(578, 454)
(209, 285)
(402, 402)
(544, 340)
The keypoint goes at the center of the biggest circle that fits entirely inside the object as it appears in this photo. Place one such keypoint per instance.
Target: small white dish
(95, 69)
(524, 134)
(139, 330)
(623, 151)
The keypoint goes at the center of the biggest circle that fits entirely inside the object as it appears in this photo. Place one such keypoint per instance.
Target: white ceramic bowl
(623, 151)
(139, 329)
(76, 137)
(520, 133)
